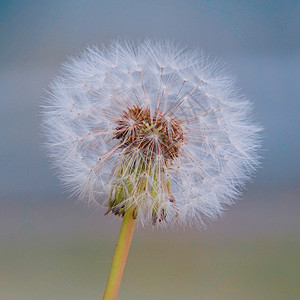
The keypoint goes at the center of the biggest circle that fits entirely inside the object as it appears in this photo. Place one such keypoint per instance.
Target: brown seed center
(156, 136)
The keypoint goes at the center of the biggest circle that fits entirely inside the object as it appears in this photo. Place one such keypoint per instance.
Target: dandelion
(154, 132)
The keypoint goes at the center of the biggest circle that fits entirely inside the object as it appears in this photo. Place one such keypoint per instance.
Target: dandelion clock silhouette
(154, 132)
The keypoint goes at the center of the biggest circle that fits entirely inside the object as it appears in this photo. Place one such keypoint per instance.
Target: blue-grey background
(53, 249)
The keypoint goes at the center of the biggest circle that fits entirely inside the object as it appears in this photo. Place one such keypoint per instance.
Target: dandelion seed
(153, 122)
(136, 125)
(152, 129)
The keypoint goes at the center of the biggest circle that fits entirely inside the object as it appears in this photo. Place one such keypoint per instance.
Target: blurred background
(54, 248)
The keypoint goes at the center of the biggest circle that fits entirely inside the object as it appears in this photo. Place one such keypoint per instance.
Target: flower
(152, 127)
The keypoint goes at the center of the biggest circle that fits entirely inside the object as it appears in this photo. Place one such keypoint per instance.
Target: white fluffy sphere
(150, 125)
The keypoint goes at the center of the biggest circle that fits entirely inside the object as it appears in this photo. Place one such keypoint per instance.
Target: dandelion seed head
(153, 126)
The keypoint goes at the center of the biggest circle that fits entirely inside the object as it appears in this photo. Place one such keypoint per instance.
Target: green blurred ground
(77, 268)
(58, 251)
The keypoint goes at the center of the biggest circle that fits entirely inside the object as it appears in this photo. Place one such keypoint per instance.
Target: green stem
(120, 257)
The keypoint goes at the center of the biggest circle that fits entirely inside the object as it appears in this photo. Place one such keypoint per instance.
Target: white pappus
(153, 126)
